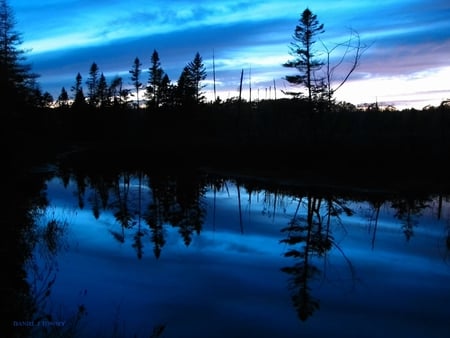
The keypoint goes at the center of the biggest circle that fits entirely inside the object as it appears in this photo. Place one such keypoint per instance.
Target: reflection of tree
(310, 237)
(408, 210)
(137, 244)
(22, 202)
(241, 224)
(42, 268)
(156, 213)
(122, 213)
(300, 234)
(81, 189)
(100, 194)
(176, 200)
(217, 184)
(374, 207)
(30, 241)
(187, 210)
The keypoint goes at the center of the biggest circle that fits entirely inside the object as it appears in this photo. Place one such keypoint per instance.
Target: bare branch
(352, 46)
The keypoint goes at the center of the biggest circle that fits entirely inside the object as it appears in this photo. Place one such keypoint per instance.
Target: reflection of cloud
(253, 247)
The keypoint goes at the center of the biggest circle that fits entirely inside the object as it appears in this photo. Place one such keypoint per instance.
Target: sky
(406, 62)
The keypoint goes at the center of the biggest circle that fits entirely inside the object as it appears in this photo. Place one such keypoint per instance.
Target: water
(200, 255)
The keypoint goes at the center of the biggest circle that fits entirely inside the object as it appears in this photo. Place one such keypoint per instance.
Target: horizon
(406, 63)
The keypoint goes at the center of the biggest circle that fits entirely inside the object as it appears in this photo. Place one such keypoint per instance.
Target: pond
(147, 253)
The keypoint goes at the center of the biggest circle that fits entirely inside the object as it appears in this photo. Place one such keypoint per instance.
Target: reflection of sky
(229, 284)
(408, 56)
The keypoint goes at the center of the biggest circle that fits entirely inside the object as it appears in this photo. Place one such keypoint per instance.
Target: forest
(309, 132)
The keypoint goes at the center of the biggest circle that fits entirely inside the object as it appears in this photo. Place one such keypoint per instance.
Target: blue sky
(407, 63)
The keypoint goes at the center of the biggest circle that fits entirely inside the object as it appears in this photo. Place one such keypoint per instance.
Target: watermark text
(41, 323)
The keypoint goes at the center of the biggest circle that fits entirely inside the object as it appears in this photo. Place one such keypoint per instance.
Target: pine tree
(63, 98)
(18, 84)
(135, 72)
(103, 92)
(166, 92)
(197, 73)
(92, 84)
(77, 89)
(185, 90)
(305, 60)
(156, 75)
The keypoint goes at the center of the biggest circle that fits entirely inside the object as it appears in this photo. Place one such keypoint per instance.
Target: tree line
(158, 91)
(23, 89)
(315, 74)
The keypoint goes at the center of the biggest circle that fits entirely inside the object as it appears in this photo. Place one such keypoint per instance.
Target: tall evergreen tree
(77, 89)
(103, 93)
(197, 73)
(135, 72)
(185, 89)
(166, 92)
(156, 75)
(63, 98)
(18, 84)
(302, 49)
(92, 84)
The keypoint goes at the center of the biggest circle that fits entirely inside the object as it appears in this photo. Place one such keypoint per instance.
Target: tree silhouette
(310, 237)
(45, 100)
(77, 89)
(118, 93)
(63, 98)
(304, 56)
(197, 73)
(353, 50)
(166, 92)
(17, 82)
(103, 93)
(185, 91)
(408, 211)
(301, 235)
(92, 84)
(135, 72)
(155, 81)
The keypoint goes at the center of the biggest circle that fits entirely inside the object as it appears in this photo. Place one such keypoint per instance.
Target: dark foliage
(289, 136)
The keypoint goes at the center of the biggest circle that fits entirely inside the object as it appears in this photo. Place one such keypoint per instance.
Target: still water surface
(220, 258)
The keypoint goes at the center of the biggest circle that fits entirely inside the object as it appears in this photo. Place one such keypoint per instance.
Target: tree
(77, 89)
(155, 81)
(135, 72)
(197, 73)
(92, 83)
(63, 98)
(103, 94)
(166, 91)
(17, 82)
(115, 89)
(352, 51)
(46, 100)
(302, 50)
(185, 90)
(118, 93)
